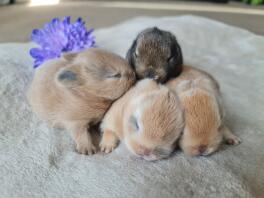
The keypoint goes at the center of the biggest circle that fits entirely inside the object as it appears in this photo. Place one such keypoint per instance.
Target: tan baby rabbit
(204, 127)
(149, 118)
(75, 91)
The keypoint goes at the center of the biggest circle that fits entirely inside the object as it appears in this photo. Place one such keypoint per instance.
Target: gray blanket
(38, 161)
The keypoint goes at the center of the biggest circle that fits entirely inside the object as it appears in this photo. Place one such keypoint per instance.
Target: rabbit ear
(69, 56)
(176, 50)
(176, 62)
(130, 53)
(68, 77)
(179, 52)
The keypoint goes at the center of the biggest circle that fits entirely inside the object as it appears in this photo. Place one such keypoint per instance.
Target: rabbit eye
(117, 75)
(136, 54)
(134, 122)
(170, 58)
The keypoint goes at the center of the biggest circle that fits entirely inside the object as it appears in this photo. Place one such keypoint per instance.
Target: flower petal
(60, 36)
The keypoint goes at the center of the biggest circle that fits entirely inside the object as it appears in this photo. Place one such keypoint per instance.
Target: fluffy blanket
(38, 161)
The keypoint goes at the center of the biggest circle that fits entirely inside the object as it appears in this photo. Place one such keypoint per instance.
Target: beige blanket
(38, 161)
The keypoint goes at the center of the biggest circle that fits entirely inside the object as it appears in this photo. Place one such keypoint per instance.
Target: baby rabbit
(204, 127)
(155, 54)
(75, 91)
(149, 118)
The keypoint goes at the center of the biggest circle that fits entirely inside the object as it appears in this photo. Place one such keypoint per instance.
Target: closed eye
(170, 58)
(117, 75)
(134, 122)
(136, 53)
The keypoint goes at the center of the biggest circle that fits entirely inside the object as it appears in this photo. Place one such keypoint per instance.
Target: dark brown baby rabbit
(155, 54)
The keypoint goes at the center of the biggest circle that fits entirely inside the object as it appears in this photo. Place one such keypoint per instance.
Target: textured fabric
(38, 161)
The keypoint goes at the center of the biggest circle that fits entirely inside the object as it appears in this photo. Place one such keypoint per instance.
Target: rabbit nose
(149, 73)
(202, 149)
(142, 151)
(156, 77)
(146, 152)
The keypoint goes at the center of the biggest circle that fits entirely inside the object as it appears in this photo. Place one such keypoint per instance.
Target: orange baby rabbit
(75, 91)
(204, 127)
(149, 118)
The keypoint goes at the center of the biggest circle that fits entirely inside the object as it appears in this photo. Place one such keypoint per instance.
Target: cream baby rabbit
(75, 91)
(149, 118)
(204, 127)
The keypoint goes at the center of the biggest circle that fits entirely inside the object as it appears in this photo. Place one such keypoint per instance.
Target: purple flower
(60, 36)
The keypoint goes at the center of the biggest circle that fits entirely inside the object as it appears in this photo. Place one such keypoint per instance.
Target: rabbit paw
(86, 148)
